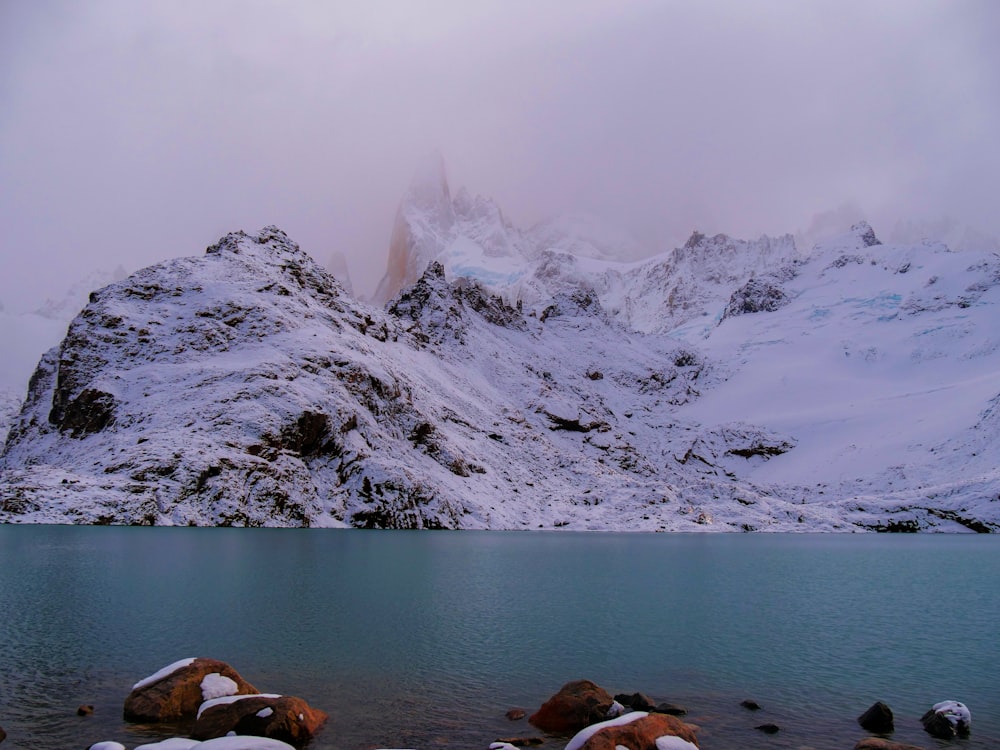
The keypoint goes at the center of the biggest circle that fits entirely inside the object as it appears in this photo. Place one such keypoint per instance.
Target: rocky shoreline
(211, 703)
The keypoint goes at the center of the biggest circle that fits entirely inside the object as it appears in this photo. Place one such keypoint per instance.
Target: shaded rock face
(877, 719)
(641, 734)
(577, 704)
(285, 718)
(179, 694)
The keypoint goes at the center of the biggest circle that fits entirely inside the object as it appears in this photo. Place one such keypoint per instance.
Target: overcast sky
(136, 130)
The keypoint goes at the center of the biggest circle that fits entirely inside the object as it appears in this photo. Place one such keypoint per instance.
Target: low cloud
(133, 132)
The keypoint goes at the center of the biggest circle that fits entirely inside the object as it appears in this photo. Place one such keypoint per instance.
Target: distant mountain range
(526, 379)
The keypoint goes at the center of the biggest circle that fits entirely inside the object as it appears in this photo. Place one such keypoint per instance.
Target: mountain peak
(423, 225)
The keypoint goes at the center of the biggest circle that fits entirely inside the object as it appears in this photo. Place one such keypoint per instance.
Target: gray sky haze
(132, 131)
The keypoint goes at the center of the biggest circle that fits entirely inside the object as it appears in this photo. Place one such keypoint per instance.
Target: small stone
(516, 714)
(85, 710)
(750, 705)
(877, 719)
(769, 728)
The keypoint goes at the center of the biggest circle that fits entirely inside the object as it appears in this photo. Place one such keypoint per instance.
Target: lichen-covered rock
(178, 690)
(285, 718)
(577, 704)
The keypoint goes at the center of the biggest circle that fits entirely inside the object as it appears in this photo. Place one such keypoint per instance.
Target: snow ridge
(855, 390)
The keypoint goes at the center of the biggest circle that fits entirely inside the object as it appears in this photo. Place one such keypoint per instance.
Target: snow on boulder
(637, 731)
(243, 743)
(577, 705)
(177, 691)
(174, 743)
(217, 686)
(947, 719)
(285, 718)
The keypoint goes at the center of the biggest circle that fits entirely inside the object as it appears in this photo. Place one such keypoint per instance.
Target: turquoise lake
(425, 639)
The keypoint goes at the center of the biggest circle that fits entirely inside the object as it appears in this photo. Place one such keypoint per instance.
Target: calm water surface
(425, 639)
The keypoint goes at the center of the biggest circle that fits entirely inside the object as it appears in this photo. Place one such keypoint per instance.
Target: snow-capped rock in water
(725, 385)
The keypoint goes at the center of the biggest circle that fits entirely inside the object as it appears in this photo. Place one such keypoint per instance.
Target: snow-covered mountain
(518, 379)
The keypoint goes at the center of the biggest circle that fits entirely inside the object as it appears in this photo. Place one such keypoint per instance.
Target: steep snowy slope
(243, 387)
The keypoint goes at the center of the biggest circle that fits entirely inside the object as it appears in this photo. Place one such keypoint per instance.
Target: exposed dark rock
(283, 718)
(757, 295)
(947, 720)
(669, 708)
(866, 234)
(636, 701)
(516, 714)
(91, 411)
(179, 694)
(85, 710)
(877, 719)
(768, 728)
(577, 704)
(750, 705)
(3, 735)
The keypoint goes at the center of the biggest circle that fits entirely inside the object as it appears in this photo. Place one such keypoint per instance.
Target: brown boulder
(577, 705)
(877, 743)
(179, 694)
(640, 734)
(278, 717)
(3, 735)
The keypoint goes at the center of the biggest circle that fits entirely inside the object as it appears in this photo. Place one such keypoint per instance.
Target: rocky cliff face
(852, 387)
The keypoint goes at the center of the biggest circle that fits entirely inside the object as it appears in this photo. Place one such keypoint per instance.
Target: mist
(135, 132)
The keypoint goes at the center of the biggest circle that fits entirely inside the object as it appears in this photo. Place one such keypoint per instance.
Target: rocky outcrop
(757, 295)
(423, 225)
(177, 691)
(577, 704)
(878, 719)
(285, 718)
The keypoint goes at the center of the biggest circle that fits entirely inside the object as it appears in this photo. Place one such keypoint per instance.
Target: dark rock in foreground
(947, 720)
(877, 719)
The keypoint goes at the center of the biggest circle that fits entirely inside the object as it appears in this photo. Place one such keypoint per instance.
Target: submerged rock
(577, 704)
(178, 690)
(878, 743)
